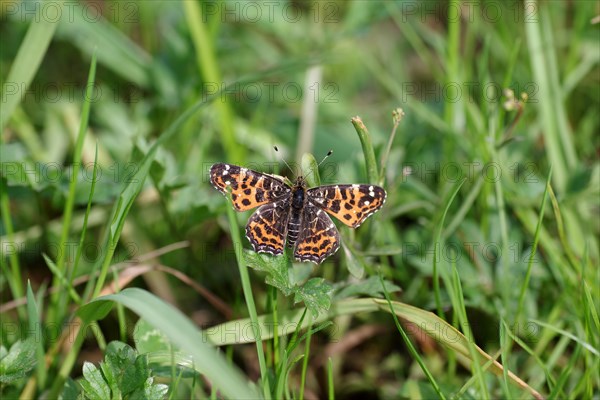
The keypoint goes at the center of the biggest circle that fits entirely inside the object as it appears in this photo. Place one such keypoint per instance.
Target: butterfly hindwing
(249, 189)
(267, 228)
(318, 237)
(351, 204)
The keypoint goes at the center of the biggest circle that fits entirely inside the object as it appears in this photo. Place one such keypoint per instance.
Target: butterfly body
(296, 206)
(295, 215)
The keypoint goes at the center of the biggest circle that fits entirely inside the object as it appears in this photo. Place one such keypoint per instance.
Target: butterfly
(295, 214)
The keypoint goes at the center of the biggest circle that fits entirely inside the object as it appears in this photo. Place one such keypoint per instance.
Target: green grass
(125, 273)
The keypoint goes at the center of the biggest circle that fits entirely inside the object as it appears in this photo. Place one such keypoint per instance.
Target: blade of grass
(536, 239)
(59, 297)
(453, 110)
(306, 352)
(308, 119)
(73, 272)
(560, 227)
(116, 51)
(464, 208)
(549, 378)
(247, 289)
(397, 116)
(537, 44)
(503, 264)
(28, 60)
(330, 385)
(506, 345)
(35, 329)
(437, 250)
(63, 280)
(410, 34)
(569, 335)
(409, 345)
(508, 76)
(367, 147)
(557, 390)
(474, 378)
(458, 304)
(565, 133)
(591, 313)
(15, 281)
(209, 69)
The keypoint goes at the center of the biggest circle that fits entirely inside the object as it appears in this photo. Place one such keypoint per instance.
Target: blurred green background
(495, 94)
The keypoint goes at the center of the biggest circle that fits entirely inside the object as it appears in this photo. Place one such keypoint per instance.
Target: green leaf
(310, 168)
(369, 287)
(579, 180)
(123, 374)
(111, 379)
(316, 295)
(93, 383)
(148, 339)
(70, 391)
(150, 391)
(17, 363)
(354, 264)
(277, 270)
(129, 371)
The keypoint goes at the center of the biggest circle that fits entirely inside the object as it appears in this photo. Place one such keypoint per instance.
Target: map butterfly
(295, 215)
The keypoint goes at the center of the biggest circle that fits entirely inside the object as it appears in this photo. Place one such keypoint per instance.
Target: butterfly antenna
(330, 152)
(283, 159)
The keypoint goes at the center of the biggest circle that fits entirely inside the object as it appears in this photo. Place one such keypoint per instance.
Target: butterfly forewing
(267, 228)
(318, 237)
(351, 204)
(249, 189)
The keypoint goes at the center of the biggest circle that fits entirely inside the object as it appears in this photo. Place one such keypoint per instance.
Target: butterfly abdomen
(293, 227)
(298, 197)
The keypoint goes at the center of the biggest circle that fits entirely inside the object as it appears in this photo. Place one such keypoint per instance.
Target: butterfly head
(312, 167)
